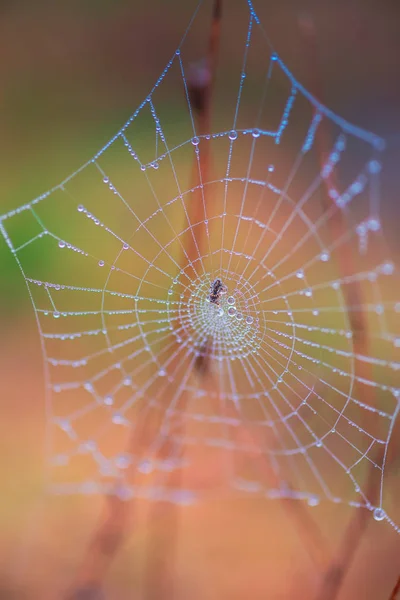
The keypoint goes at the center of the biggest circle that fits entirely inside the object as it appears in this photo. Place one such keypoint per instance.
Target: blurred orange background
(71, 74)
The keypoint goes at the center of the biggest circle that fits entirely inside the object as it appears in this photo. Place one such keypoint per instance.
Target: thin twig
(159, 579)
(316, 543)
(396, 590)
(103, 546)
(200, 97)
(351, 540)
(111, 533)
(201, 82)
(352, 293)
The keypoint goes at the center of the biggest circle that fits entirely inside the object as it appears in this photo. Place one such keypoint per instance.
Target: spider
(216, 289)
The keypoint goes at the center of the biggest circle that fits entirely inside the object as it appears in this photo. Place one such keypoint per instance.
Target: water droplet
(374, 225)
(313, 501)
(220, 312)
(315, 313)
(271, 168)
(249, 320)
(81, 208)
(145, 466)
(300, 274)
(142, 167)
(162, 372)
(318, 444)
(308, 292)
(101, 263)
(170, 292)
(125, 247)
(233, 135)
(341, 143)
(61, 244)
(230, 300)
(374, 166)
(379, 514)
(256, 133)
(117, 419)
(231, 311)
(106, 179)
(127, 381)
(122, 461)
(388, 268)
(324, 256)
(108, 400)
(195, 141)
(239, 316)
(56, 314)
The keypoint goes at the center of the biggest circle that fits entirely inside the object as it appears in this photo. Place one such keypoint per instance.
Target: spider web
(295, 406)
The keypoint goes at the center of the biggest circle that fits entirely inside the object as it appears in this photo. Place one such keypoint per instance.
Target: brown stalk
(111, 533)
(200, 97)
(101, 549)
(316, 544)
(200, 86)
(353, 298)
(351, 540)
(159, 576)
(396, 590)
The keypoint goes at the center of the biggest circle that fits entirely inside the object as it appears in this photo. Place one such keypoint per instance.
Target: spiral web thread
(124, 321)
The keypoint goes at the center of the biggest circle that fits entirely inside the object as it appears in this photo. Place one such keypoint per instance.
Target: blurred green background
(71, 74)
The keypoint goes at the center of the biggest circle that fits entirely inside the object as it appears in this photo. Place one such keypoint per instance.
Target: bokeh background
(71, 74)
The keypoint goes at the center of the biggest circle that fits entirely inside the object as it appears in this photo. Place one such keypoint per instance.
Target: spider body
(216, 289)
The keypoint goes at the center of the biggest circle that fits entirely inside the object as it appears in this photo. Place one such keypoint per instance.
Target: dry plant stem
(316, 544)
(350, 542)
(200, 93)
(396, 591)
(110, 534)
(352, 293)
(112, 530)
(104, 544)
(162, 535)
(159, 576)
